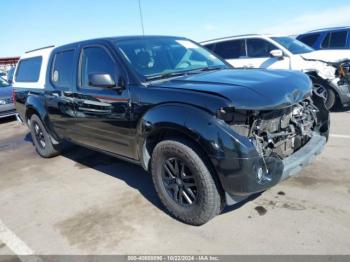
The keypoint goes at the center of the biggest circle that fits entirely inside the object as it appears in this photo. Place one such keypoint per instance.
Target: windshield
(152, 57)
(3, 82)
(293, 45)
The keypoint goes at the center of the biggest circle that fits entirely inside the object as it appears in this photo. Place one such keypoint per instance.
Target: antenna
(141, 18)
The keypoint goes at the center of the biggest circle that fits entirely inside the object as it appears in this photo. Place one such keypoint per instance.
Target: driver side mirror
(277, 53)
(103, 80)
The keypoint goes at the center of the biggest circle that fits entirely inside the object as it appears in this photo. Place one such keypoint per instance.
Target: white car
(329, 70)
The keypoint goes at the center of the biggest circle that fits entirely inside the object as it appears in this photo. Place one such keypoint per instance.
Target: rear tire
(41, 139)
(184, 183)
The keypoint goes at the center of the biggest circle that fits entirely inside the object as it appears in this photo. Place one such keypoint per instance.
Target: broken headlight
(238, 120)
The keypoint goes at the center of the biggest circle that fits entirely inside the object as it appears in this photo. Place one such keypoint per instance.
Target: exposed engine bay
(278, 132)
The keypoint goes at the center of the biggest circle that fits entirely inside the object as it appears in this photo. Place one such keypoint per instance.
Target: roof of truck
(121, 38)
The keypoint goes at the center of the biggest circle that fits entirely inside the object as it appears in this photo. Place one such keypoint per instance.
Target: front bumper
(278, 170)
(294, 163)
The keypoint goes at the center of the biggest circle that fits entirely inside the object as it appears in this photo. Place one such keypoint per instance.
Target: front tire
(41, 139)
(184, 183)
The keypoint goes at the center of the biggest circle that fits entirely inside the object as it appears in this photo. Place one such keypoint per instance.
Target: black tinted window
(29, 69)
(210, 47)
(335, 40)
(338, 39)
(62, 70)
(309, 39)
(230, 49)
(259, 47)
(96, 60)
(325, 43)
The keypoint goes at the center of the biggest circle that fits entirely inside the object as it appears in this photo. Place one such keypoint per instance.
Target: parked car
(7, 107)
(209, 134)
(2, 74)
(10, 73)
(327, 38)
(329, 71)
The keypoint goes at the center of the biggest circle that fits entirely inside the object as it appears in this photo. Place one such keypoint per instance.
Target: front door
(258, 55)
(102, 114)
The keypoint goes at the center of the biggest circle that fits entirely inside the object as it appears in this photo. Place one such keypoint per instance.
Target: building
(8, 62)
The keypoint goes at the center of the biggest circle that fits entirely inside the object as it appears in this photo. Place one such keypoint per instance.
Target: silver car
(7, 106)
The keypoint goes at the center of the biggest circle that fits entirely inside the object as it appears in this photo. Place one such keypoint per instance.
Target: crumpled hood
(5, 92)
(255, 89)
(331, 56)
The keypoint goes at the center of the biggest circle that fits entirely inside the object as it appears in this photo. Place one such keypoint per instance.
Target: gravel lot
(88, 203)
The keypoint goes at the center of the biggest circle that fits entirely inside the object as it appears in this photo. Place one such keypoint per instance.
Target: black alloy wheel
(179, 182)
(41, 138)
(39, 135)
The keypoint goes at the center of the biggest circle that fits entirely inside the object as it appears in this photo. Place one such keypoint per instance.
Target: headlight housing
(238, 120)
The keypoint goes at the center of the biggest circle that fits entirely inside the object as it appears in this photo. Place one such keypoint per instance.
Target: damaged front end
(284, 139)
(343, 71)
(334, 76)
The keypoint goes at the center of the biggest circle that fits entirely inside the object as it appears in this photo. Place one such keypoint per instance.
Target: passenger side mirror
(101, 80)
(278, 53)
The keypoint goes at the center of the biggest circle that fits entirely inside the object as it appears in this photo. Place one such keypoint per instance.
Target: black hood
(256, 89)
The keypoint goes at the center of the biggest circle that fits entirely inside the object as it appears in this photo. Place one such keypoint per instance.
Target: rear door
(59, 91)
(102, 114)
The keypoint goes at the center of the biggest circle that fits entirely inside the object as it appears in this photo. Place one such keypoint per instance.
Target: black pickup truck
(209, 134)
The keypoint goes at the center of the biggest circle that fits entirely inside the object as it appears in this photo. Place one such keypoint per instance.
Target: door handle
(53, 94)
(96, 111)
(68, 93)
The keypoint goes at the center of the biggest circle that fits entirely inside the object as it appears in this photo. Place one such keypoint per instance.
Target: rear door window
(28, 70)
(335, 40)
(258, 48)
(62, 69)
(231, 49)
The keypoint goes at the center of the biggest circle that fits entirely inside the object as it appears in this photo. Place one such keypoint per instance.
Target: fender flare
(314, 76)
(216, 140)
(35, 103)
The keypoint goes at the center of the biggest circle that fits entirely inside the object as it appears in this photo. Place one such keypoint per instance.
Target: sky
(30, 24)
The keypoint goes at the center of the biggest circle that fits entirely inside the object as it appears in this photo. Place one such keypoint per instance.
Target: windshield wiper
(182, 73)
(166, 75)
(211, 68)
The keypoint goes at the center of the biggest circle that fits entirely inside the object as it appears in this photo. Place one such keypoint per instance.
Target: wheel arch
(315, 77)
(35, 105)
(174, 120)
